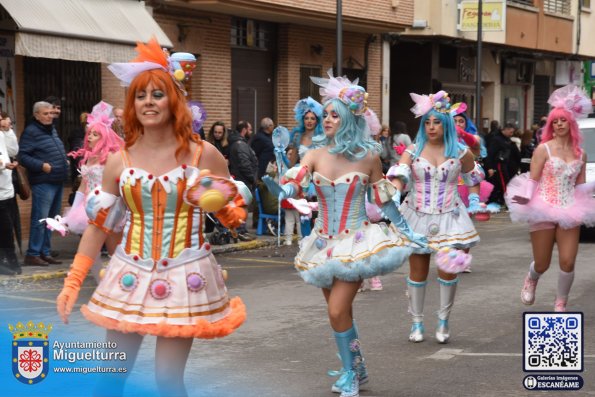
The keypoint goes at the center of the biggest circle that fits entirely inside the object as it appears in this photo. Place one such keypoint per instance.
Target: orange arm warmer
(72, 284)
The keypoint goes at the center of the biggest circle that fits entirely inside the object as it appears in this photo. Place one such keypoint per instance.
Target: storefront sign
(494, 16)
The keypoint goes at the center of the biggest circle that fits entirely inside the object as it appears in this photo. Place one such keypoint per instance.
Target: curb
(218, 249)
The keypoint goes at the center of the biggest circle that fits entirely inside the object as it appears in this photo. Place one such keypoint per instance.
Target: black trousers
(6, 224)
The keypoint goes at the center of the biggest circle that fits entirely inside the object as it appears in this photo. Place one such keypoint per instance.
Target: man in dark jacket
(502, 163)
(243, 165)
(42, 153)
(263, 145)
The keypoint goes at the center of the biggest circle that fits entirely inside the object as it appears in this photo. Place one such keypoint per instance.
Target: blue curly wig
(451, 144)
(302, 107)
(353, 137)
(472, 129)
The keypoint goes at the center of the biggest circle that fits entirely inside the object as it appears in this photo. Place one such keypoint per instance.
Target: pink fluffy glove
(72, 285)
(524, 199)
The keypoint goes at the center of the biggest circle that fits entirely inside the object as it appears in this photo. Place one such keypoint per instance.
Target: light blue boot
(361, 369)
(349, 347)
(416, 290)
(448, 289)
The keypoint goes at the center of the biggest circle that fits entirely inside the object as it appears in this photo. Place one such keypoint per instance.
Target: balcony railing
(557, 6)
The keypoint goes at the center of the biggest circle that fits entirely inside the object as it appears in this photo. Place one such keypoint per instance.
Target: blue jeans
(47, 202)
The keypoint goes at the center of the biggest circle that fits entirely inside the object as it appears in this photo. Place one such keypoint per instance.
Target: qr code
(553, 342)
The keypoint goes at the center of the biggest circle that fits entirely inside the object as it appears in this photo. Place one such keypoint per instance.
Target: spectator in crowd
(527, 148)
(118, 124)
(262, 144)
(9, 264)
(243, 165)
(56, 109)
(42, 153)
(217, 136)
(502, 162)
(539, 132)
(494, 130)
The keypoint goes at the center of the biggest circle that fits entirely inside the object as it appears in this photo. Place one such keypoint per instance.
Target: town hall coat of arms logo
(30, 351)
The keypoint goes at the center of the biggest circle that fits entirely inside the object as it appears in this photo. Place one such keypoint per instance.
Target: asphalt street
(286, 346)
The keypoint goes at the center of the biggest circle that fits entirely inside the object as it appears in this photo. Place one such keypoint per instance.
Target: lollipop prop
(280, 141)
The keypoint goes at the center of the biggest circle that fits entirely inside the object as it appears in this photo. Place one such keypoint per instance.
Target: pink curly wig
(576, 138)
(109, 142)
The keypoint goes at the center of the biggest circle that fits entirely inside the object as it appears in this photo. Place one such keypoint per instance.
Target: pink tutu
(581, 212)
(485, 189)
(76, 218)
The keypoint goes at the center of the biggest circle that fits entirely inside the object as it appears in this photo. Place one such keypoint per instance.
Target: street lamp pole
(339, 37)
(478, 66)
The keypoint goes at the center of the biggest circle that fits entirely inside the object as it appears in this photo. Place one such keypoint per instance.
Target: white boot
(448, 289)
(417, 294)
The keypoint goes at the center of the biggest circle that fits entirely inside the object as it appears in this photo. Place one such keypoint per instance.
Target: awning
(82, 30)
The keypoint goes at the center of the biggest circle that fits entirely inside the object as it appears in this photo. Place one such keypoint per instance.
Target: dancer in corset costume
(553, 197)
(163, 279)
(430, 170)
(345, 247)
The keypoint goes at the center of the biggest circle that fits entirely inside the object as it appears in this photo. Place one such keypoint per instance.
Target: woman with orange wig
(163, 279)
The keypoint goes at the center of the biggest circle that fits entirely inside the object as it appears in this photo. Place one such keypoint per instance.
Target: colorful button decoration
(160, 289)
(128, 281)
(195, 282)
(320, 243)
(433, 229)
(359, 236)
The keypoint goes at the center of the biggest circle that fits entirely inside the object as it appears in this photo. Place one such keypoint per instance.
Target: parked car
(587, 127)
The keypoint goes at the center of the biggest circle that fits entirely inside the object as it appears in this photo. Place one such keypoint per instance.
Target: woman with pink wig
(553, 197)
(100, 140)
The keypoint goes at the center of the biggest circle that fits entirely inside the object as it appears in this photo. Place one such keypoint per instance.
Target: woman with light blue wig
(431, 169)
(345, 247)
(308, 133)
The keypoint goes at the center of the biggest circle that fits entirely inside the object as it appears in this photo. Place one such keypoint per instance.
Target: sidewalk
(68, 245)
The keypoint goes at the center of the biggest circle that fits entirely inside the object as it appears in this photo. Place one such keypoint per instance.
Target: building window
(585, 3)
(250, 33)
(557, 6)
(307, 87)
(529, 3)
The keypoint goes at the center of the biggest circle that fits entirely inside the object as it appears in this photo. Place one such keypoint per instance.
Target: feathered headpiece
(351, 94)
(101, 114)
(151, 56)
(306, 105)
(572, 99)
(424, 103)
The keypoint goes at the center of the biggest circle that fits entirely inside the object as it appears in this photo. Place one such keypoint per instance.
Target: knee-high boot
(448, 289)
(417, 294)
(360, 365)
(349, 347)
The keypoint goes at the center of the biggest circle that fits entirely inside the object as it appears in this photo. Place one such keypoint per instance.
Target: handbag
(23, 188)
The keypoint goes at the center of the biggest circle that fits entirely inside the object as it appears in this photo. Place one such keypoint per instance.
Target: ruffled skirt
(372, 250)
(188, 299)
(536, 211)
(452, 229)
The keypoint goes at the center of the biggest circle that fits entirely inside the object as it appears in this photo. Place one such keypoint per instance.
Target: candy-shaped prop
(280, 141)
(182, 63)
(452, 261)
(210, 192)
(199, 115)
(57, 224)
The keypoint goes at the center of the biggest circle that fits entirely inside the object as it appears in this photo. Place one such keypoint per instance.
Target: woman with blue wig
(430, 169)
(308, 133)
(345, 247)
